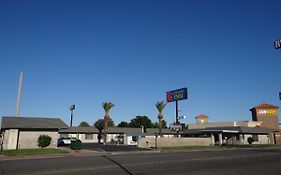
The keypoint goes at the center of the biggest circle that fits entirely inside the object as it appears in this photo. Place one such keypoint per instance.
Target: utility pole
(19, 95)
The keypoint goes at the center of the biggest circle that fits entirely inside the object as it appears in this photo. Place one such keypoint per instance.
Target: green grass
(29, 152)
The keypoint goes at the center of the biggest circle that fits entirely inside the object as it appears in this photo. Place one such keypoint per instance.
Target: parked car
(64, 141)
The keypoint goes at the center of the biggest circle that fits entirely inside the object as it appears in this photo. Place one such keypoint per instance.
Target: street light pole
(19, 95)
(71, 118)
(72, 107)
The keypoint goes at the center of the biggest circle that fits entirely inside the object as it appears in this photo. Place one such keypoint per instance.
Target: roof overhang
(220, 131)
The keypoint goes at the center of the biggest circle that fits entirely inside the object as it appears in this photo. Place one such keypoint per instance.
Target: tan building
(235, 132)
(202, 118)
(267, 114)
(202, 122)
(23, 132)
(122, 135)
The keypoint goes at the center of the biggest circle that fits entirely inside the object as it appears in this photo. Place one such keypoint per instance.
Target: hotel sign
(277, 44)
(267, 112)
(176, 95)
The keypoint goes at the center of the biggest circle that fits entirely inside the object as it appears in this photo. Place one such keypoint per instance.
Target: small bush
(76, 145)
(250, 140)
(44, 141)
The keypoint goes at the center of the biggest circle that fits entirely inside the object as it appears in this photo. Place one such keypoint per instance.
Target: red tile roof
(202, 116)
(264, 105)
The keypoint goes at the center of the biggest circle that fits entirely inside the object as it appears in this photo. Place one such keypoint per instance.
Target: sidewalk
(70, 154)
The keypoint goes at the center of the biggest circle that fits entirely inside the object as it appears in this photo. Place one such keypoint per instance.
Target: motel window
(134, 138)
(89, 136)
(255, 137)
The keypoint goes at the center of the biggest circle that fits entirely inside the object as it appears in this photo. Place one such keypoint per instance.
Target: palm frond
(160, 106)
(107, 106)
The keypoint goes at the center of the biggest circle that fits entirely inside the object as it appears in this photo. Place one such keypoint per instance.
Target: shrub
(250, 140)
(44, 141)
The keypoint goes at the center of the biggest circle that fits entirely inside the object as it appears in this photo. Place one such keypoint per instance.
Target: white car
(64, 141)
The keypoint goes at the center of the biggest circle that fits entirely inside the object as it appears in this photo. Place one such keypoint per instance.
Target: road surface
(228, 162)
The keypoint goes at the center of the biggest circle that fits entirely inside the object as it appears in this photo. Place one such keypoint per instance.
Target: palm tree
(106, 106)
(160, 107)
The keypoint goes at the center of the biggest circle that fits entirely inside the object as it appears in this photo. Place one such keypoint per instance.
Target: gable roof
(264, 106)
(232, 129)
(31, 123)
(117, 130)
(79, 129)
(153, 131)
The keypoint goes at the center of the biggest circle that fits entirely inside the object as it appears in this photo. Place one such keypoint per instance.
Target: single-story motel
(23, 132)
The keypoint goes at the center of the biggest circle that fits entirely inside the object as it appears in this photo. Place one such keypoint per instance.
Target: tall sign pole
(177, 112)
(19, 95)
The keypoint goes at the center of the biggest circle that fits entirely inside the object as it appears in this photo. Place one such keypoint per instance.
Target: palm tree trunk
(105, 131)
(160, 127)
(106, 121)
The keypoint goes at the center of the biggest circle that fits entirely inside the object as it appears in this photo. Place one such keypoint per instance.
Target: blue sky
(132, 52)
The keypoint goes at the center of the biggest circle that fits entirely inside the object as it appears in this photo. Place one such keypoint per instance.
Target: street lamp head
(181, 117)
(72, 107)
(280, 95)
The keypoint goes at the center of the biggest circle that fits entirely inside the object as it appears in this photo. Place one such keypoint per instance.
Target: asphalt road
(228, 162)
(108, 147)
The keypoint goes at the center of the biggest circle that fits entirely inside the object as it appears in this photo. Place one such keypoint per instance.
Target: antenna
(19, 95)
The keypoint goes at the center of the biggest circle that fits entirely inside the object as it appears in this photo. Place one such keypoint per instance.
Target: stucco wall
(28, 139)
(10, 139)
(166, 142)
(262, 139)
(94, 139)
(83, 138)
(224, 124)
(278, 138)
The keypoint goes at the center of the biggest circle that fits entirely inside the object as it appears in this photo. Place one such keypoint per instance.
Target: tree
(99, 124)
(44, 141)
(84, 124)
(106, 106)
(164, 124)
(250, 140)
(123, 124)
(139, 121)
(160, 107)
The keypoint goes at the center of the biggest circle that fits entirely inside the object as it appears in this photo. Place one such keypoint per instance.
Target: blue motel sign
(277, 44)
(176, 95)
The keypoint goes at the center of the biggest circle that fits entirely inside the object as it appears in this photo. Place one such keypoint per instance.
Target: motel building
(264, 128)
(23, 132)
